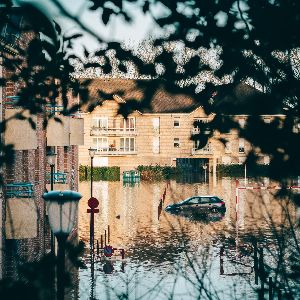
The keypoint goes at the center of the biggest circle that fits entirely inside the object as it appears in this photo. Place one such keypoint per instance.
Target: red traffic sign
(108, 251)
(93, 202)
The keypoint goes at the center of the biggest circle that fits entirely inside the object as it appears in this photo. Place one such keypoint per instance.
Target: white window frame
(176, 119)
(156, 144)
(100, 146)
(241, 145)
(126, 124)
(99, 122)
(242, 122)
(131, 141)
(176, 141)
(228, 147)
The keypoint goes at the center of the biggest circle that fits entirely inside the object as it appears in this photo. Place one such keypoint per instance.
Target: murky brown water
(178, 257)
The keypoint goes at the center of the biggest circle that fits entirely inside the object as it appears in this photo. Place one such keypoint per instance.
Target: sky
(142, 27)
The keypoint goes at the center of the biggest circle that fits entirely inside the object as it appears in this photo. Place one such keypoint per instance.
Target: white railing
(112, 131)
(206, 150)
(115, 151)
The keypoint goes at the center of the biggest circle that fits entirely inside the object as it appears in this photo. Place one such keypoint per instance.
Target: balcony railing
(19, 190)
(58, 177)
(207, 150)
(112, 131)
(115, 151)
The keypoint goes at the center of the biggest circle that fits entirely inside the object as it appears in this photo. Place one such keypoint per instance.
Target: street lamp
(62, 211)
(92, 153)
(51, 159)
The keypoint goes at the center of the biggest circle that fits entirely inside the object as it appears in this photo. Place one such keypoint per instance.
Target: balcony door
(127, 144)
(101, 143)
(100, 122)
(127, 124)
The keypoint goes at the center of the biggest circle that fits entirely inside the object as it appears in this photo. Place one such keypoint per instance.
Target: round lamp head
(92, 152)
(51, 158)
(62, 209)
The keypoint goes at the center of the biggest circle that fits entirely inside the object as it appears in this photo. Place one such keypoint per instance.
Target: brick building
(157, 135)
(25, 233)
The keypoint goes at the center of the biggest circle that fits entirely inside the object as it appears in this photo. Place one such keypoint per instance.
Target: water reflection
(162, 248)
(203, 217)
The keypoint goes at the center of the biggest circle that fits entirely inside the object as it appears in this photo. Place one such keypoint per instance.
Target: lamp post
(62, 211)
(51, 159)
(92, 153)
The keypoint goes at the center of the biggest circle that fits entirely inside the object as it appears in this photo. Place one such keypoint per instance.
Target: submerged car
(198, 203)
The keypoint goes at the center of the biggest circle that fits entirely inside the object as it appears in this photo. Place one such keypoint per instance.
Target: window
(127, 144)
(155, 145)
(242, 122)
(100, 122)
(227, 147)
(176, 122)
(155, 123)
(194, 200)
(241, 145)
(101, 144)
(176, 143)
(127, 124)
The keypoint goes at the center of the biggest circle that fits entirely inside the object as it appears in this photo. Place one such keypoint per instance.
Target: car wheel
(214, 209)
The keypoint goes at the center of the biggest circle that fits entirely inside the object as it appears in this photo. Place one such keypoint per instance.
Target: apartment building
(162, 134)
(25, 232)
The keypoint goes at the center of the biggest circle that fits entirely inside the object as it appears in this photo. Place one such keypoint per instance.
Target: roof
(131, 89)
(230, 99)
(243, 99)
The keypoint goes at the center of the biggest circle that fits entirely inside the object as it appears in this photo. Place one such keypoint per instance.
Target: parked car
(199, 203)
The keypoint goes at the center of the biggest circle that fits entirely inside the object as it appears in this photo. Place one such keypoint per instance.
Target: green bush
(99, 173)
(157, 172)
(239, 170)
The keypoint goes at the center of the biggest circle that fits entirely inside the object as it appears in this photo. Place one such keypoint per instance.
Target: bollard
(123, 253)
(261, 273)
(255, 262)
(101, 241)
(98, 250)
(104, 237)
(221, 261)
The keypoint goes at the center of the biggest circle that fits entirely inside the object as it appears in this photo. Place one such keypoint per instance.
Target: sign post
(93, 204)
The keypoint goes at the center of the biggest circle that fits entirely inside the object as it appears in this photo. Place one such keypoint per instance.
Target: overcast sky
(141, 28)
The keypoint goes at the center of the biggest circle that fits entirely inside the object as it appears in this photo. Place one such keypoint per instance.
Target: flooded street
(186, 256)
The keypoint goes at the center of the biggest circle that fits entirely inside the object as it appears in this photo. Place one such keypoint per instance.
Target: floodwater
(207, 256)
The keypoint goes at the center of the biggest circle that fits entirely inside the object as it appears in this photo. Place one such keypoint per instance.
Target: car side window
(194, 200)
(205, 200)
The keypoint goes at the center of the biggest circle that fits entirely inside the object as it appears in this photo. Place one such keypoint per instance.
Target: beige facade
(155, 138)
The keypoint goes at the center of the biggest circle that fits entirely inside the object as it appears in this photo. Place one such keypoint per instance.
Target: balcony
(19, 190)
(207, 150)
(115, 152)
(58, 177)
(97, 131)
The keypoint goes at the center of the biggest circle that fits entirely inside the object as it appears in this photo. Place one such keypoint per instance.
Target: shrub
(99, 173)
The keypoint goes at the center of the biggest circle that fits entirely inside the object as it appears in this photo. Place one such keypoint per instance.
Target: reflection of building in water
(25, 230)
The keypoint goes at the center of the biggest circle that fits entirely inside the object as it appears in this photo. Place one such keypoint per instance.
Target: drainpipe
(2, 225)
